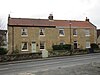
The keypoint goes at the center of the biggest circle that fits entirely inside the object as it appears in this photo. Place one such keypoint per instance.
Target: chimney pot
(50, 17)
(87, 19)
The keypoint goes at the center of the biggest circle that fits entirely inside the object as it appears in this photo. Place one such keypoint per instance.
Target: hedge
(62, 47)
(3, 51)
(94, 46)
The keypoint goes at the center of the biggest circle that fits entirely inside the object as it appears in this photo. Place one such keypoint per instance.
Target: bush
(67, 47)
(61, 47)
(94, 46)
(16, 51)
(3, 51)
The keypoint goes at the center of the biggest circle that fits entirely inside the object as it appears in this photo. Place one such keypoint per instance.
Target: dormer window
(24, 31)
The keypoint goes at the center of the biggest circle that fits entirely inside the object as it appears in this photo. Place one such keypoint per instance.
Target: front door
(75, 44)
(33, 47)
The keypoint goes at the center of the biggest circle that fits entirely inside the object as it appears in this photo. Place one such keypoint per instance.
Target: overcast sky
(61, 9)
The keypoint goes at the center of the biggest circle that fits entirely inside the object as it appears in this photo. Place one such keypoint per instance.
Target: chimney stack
(87, 19)
(8, 15)
(50, 17)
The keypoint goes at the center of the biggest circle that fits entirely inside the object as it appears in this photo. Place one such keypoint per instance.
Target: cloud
(61, 9)
(93, 14)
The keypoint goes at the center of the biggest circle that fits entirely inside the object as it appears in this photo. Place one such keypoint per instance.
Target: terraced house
(33, 35)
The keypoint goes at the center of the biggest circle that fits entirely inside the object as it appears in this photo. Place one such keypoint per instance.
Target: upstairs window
(61, 32)
(75, 32)
(24, 46)
(42, 32)
(87, 32)
(24, 31)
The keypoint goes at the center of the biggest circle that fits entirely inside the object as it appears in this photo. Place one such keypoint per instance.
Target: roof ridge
(47, 19)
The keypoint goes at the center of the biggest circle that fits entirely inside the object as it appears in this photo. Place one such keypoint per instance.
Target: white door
(33, 47)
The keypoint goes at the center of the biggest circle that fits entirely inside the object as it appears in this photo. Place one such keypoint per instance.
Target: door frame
(75, 44)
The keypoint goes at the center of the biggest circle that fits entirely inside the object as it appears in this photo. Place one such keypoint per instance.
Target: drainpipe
(70, 38)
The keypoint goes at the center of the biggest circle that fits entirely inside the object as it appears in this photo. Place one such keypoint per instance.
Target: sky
(40, 9)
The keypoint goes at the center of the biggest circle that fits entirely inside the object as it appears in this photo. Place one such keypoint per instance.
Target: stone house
(33, 35)
(98, 37)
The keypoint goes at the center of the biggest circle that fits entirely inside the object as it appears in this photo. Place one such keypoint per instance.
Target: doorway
(75, 44)
(33, 47)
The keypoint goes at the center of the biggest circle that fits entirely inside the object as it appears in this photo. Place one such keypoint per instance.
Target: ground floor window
(87, 44)
(42, 45)
(24, 46)
(62, 43)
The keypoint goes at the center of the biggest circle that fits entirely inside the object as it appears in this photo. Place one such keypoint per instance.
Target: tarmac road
(41, 66)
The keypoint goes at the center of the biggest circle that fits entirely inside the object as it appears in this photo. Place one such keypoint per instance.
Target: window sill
(42, 49)
(87, 35)
(75, 35)
(24, 35)
(62, 35)
(42, 35)
(24, 50)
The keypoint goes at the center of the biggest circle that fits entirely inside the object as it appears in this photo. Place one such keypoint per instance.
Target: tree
(2, 37)
(2, 32)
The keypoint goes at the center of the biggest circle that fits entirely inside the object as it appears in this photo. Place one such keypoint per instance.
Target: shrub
(3, 51)
(67, 47)
(94, 46)
(15, 51)
(61, 47)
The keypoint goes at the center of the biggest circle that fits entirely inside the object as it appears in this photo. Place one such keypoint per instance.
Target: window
(24, 31)
(24, 46)
(87, 44)
(42, 32)
(62, 43)
(87, 32)
(75, 32)
(61, 32)
(42, 46)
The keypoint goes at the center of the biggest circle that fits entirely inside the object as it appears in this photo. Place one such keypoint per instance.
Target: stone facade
(98, 37)
(51, 36)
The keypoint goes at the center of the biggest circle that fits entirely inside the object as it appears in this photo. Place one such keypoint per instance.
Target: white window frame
(87, 44)
(87, 32)
(24, 30)
(75, 32)
(43, 44)
(43, 31)
(22, 44)
(60, 34)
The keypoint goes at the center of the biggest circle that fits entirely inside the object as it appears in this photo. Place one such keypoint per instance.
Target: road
(48, 64)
